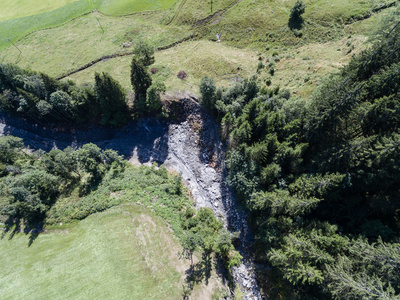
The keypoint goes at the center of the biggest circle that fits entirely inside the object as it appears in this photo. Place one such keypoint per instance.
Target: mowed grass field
(125, 252)
(19, 18)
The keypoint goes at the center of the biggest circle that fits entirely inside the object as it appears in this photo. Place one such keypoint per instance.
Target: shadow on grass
(14, 226)
(201, 272)
(197, 273)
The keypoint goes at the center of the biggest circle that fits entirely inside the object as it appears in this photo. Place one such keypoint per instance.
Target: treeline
(44, 99)
(321, 177)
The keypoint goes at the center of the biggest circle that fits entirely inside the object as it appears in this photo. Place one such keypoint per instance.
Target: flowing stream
(190, 147)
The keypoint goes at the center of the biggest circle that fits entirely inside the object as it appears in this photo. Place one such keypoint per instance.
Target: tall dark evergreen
(141, 81)
(112, 99)
(144, 52)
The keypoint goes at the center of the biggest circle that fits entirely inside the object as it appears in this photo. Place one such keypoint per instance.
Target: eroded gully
(190, 146)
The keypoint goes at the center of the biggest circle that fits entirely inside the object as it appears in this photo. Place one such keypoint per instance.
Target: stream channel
(190, 146)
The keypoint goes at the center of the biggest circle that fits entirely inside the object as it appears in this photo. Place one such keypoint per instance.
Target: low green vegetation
(124, 7)
(91, 36)
(43, 192)
(12, 9)
(319, 177)
(16, 28)
(197, 12)
(265, 24)
(196, 58)
(261, 25)
(124, 252)
(17, 20)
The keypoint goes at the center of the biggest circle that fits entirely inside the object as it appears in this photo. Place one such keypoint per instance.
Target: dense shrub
(182, 75)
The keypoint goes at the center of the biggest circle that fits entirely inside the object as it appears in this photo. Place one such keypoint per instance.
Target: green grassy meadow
(129, 249)
(20, 19)
(124, 252)
(11, 9)
(196, 58)
(124, 7)
(50, 50)
(249, 30)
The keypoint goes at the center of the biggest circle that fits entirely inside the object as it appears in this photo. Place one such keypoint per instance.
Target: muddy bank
(190, 146)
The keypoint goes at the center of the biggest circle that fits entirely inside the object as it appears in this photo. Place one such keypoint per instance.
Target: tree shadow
(197, 273)
(14, 226)
(145, 139)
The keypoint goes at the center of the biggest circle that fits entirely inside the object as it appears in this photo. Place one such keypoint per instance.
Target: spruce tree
(112, 100)
(141, 81)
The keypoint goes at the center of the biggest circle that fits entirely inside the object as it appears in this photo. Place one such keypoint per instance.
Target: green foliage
(153, 97)
(31, 194)
(204, 231)
(141, 81)
(10, 148)
(61, 103)
(112, 100)
(208, 92)
(242, 175)
(43, 98)
(203, 227)
(370, 272)
(144, 53)
(296, 19)
(297, 10)
(320, 177)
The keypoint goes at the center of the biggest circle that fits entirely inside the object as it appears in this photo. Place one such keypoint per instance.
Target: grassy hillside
(196, 58)
(259, 25)
(124, 7)
(282, 147)
(12, 9)
(125, 252)
(90, 37)
(20, 19)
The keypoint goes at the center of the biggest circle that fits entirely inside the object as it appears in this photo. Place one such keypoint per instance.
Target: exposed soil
(190, 146)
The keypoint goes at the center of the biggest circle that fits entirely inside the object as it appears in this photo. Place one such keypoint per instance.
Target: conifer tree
(112, 100)
(141, 81)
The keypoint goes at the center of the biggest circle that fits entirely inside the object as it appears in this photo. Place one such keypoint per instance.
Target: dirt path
(189, 146)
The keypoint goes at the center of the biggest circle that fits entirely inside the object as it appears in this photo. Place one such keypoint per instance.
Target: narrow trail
(190, 146)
